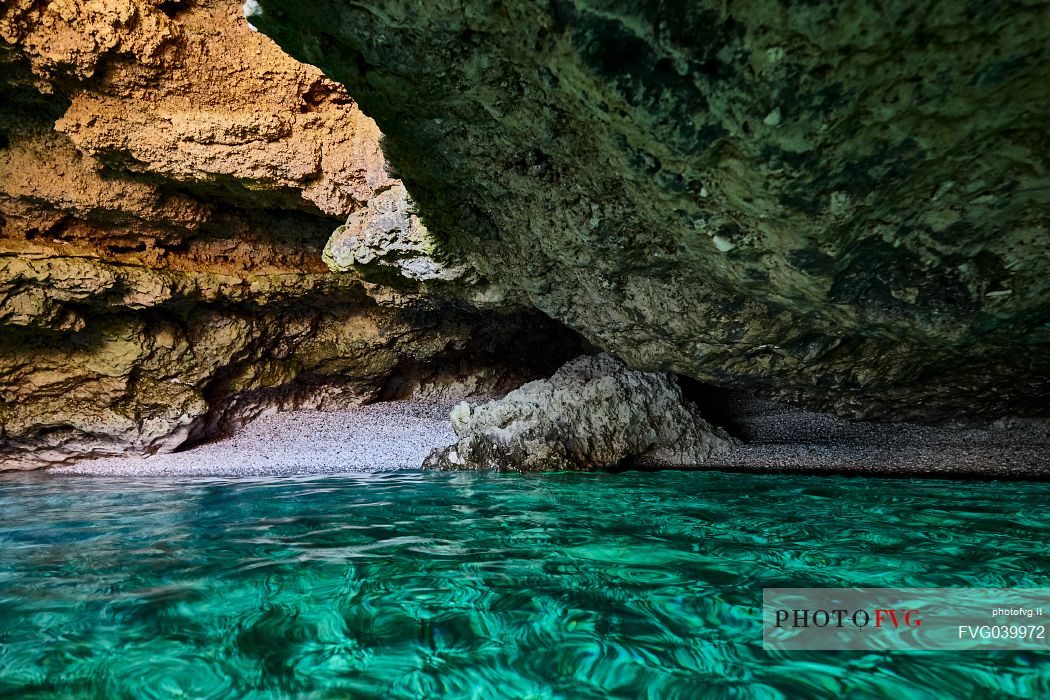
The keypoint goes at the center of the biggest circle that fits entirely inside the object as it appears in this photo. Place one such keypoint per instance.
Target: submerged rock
(595, 412)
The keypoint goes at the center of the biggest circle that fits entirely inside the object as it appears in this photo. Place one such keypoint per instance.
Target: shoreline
(787, 439)
(377, 437)
(397, 435)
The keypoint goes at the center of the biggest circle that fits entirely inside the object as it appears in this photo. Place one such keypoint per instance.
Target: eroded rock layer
(839, 203)
(168, 181)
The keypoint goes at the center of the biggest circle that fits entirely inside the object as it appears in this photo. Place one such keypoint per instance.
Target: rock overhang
(837, 204)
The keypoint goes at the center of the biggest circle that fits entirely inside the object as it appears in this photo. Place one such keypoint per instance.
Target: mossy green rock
(840, 203)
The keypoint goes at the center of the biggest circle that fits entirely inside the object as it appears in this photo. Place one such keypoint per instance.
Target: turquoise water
(411, 584)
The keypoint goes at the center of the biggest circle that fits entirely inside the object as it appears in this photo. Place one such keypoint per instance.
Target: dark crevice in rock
(506, 351)
(718, 405)
(502, 352)
(170, 8)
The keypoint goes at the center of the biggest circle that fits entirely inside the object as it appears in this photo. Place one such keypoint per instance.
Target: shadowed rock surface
(388, 248)
(593, 413)
(838, 203)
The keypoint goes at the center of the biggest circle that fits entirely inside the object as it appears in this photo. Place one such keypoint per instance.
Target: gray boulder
(595, 412)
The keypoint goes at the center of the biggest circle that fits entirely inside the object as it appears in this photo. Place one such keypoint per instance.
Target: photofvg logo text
(905, 618)
(843, 617)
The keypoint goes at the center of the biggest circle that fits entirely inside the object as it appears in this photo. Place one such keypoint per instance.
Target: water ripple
(406, 585)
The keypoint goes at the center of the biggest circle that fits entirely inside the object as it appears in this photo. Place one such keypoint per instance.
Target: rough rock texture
(168, 179)
(840, 203)
(594, 413)
(184, 92)
(388, 248)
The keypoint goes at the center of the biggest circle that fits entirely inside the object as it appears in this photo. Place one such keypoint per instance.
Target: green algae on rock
(841, 204)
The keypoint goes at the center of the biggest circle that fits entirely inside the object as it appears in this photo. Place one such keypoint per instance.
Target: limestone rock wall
(839, 203)
(183, 91)
(168, 181)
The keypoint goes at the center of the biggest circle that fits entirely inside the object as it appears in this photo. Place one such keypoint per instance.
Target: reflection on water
(489, 585)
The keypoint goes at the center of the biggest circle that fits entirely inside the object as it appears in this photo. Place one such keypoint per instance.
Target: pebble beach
(399, 435)
(377, 437)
